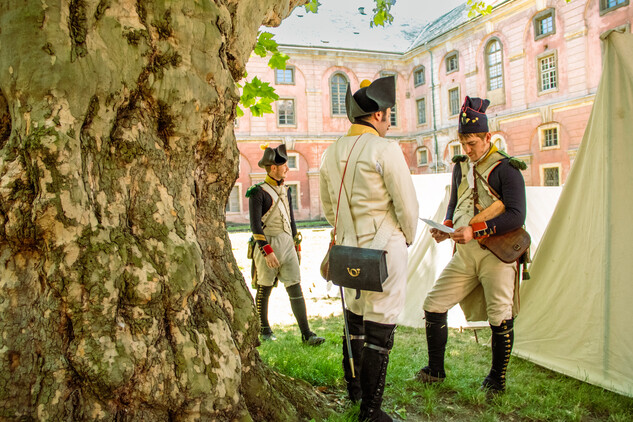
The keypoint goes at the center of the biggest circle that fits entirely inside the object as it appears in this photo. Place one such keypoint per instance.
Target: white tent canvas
(427, 259)
(577, 310)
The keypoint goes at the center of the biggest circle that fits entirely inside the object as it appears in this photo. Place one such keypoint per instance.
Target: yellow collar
(493, 149)
(273, 182)
(360, 129)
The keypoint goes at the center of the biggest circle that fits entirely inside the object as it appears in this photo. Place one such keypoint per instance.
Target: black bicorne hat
(472, 117)
(370, 98)
(274, 156)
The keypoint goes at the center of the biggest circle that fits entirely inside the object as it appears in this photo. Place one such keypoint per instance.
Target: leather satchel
(508, 247)
(357, 268)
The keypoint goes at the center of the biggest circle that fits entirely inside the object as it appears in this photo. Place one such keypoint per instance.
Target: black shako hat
(273, 156)
(472, 117)
(370, 98)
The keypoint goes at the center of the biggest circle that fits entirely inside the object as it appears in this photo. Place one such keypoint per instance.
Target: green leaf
(278, 60)
(312, 6)
(382, 13)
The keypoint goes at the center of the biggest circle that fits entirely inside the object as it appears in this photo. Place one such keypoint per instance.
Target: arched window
(338, 88)
(494, 65)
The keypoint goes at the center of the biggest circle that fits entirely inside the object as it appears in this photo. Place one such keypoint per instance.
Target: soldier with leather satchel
(487, 209)
(368, 196)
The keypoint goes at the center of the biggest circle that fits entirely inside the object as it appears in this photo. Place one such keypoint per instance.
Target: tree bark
(120, 298)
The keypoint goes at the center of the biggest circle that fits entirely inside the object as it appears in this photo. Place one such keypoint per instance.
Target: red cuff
(267, 250)
(448, 223)
(480, 230)
(298, 248)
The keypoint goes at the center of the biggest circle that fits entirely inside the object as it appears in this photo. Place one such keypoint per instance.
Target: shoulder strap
(276, 200)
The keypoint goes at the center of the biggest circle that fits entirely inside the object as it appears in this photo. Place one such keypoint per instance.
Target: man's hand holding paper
(439, 232)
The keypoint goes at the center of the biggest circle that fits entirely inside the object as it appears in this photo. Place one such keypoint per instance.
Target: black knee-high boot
(374, 361)
(357, 341)
(502, 341)
(436, 337)
(261, 303)
(298, 305)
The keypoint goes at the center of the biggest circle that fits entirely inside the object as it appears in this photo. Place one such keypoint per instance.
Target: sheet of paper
(440, 227)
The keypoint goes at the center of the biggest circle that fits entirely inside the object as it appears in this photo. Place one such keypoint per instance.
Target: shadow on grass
(533, 393)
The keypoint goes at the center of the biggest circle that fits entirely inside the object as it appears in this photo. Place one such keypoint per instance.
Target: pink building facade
(539, 62)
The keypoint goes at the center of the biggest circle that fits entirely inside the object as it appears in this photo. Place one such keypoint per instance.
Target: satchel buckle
(354, 272)
(516, 247)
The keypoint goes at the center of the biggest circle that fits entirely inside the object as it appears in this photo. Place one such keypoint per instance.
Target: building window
(394, 116)
(544, 24)
(494, 62)
(233, 204)
(294, 191)
(418, 76)
(423, 156)
(549, 136)
(455, 148)
(286, 112)
(547, 73)
(293, 161)
(452, 62)
(609, 5)
(285, 76)
(338, 89)
(421, 105)
(453, 100)
(551, 176)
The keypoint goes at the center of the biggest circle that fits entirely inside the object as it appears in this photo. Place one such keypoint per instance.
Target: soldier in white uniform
(379, 191)
(276, 256)
(484, 286)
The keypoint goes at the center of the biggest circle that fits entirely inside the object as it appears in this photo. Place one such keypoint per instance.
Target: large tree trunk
(120, 298)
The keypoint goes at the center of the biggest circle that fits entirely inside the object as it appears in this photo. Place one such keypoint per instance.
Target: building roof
(345, 24)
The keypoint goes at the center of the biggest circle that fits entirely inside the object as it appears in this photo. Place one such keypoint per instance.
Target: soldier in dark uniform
(484, 286)
(277, 252)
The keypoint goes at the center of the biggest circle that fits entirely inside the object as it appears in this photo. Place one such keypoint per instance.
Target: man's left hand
(463, 235)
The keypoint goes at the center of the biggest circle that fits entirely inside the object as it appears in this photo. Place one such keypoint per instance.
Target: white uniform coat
(380, 181)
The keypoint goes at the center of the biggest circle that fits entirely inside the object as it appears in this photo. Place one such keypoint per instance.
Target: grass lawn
(533, 393)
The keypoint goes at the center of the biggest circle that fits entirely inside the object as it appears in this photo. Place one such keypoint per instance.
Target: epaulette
(459, 158)
(252, 189)
(514, 162)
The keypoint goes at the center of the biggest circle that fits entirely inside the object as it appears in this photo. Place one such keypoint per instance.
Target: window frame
(295, 155)
(544, 167)
(296, 194)
(539, 59)
(542, 136)
(449, 56)
(452, 145)
(292, 74)
(419, 70)
(417, 110)
(419, 152)
(499, 63)
(237, 186)
(604, 9)
(342, 95)
(540, 17)
(450, 109)
(294, 113)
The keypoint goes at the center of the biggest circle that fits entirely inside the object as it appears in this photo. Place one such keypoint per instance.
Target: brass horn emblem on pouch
(354, 272)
